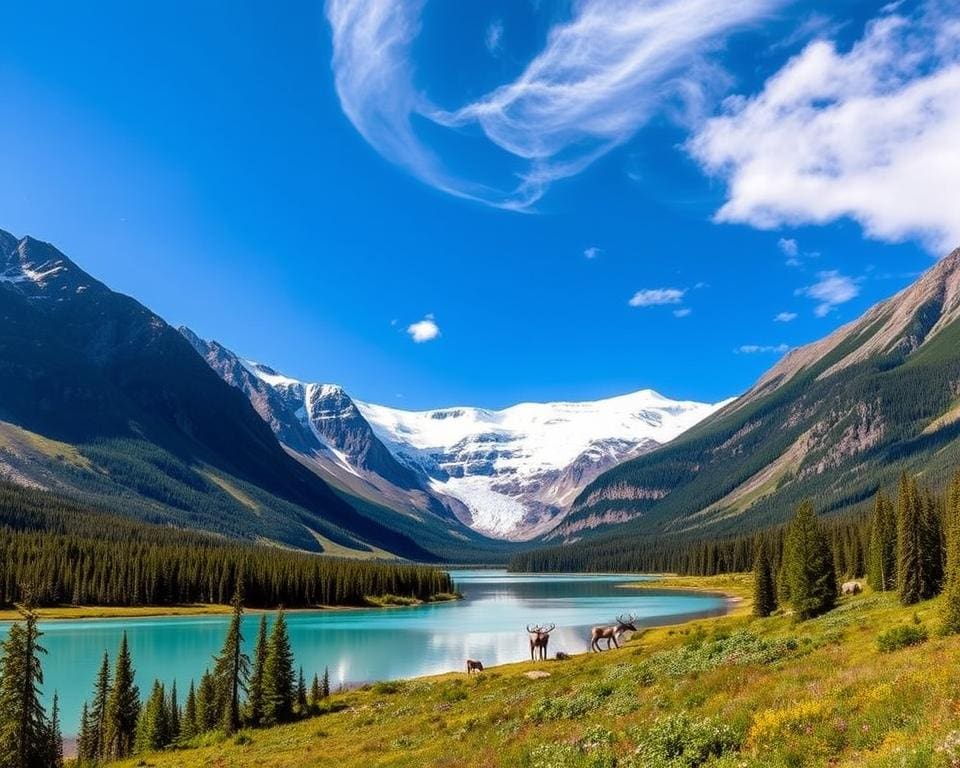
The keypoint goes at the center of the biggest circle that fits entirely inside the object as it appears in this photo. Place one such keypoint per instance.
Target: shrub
(901, 637)
(679, 741)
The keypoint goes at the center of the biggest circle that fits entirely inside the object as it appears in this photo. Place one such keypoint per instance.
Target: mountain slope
(323, 429)
(151, 428)
(832, 421)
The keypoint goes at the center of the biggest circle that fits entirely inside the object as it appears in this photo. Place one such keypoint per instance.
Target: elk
(539, 637)
(474, 666)
(610, 634)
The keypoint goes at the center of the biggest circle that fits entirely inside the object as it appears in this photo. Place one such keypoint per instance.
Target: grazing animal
(610, 634)
(539, 637)
(561, 656)
(851, 588)
(474, 666)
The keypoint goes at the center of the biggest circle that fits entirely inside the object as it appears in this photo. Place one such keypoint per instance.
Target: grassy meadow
(723, 692)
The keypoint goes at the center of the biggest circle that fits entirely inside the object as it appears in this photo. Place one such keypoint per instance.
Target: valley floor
(730, 691)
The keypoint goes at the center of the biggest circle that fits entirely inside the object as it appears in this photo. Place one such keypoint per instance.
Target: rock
(536, 674)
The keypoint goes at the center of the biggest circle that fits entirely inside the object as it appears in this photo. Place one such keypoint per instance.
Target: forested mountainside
(831, 422)
(103, 401)
(56, 551)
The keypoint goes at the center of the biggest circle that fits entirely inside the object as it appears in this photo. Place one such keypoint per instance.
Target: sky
(439, 203)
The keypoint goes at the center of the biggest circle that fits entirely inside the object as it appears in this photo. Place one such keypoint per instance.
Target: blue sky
(438, 203)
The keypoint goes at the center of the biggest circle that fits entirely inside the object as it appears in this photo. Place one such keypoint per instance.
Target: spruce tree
(173, 713)
(279, 679)
(950, 610)
(123, 707)
(24, 730)
(98, 710)
(254, 709)
(315, 694)
(55, 737)
(232, 668)
(85, 753)
(882, 558)
(301, 694)
(764, 593)
(912, 583)
(208, 714)
(153, 727)
(188, 724)
(326, 683)
(809, 565)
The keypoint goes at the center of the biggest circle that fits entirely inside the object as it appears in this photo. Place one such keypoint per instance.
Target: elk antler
(533, 630)
(548, 631)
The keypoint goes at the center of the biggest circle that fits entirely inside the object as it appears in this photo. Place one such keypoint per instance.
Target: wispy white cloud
(755, 349)
(785, 317)
(870, 133)
(600, 77)
(682, 312)
(592, 252)
(494, 36)
(424, 330)
(830, 290)
(652, 297)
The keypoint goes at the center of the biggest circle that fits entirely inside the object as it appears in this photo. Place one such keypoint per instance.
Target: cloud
(754, 349)
(789, 247)
(830, 290)
(651, 297)
(785, 317)
(682, 312)
(592, 252)
(870, 134)
(494, 36)
(424, 330)
(602, 75)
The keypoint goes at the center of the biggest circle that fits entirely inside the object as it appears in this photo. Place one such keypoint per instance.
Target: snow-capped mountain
(517, 470)
(509, 474)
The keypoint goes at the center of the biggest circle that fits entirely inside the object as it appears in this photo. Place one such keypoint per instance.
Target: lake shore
(71, 612)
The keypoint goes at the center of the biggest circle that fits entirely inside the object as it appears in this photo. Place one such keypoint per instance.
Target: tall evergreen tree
(951, 593)
(882, 558)
(301, 694)
(315, 695)
(208, 713)
(232, 667)
(917, 535)
(279, 679)
(24, 730)
(326, 683)
(764, 593)
(153, 727)
(254, 713)
(55, 737)
(85, 754)
(123, 707)
(188, 724)
(808, 565)
(98, 710)
(173, 713)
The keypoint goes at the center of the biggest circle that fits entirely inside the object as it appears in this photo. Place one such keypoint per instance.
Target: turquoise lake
(371, 644)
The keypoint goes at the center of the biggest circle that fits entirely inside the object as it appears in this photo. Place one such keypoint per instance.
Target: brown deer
(474, 666)
(610, 634)
(539, 637)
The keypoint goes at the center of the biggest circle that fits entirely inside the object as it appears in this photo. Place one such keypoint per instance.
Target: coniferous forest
(65, 553)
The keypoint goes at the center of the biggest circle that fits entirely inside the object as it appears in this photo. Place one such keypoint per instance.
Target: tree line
(913, 548)
(69, 554)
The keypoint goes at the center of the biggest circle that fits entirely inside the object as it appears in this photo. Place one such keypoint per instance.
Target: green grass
(733, 691)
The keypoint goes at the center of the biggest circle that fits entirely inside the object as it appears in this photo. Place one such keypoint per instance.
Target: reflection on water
(376, 644)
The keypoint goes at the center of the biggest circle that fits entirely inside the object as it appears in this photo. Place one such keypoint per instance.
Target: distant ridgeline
(65, 553)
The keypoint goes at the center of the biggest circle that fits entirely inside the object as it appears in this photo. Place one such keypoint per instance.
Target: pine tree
(764, 593)
(173, 713)
(98, 710)
(123, 707)
(808, 565)
(912, 570)
(24, 730)
(301, 694)
(188, 724)
(326, 683)
(315, 695)
(279, 680)
(254, 713)
(85, 754)
(882, 565)
(208, 715)
(232, 668)
(950, 610)
(153, 727)
(55, 737)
